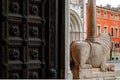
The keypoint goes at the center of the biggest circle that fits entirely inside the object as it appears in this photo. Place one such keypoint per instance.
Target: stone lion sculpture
(86, 54)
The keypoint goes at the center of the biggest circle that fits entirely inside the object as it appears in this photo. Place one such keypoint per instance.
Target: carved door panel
(23, 39)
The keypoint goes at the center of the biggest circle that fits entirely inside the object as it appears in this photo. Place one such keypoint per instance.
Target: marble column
(68, 73)
(84, 18)
(91, 20)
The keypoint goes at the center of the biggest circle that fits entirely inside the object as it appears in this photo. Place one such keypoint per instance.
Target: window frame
(112, 28)
(106, 29)
(116, 32)
(98, 14)
(98, 32)
(105, 15)
(111, 16)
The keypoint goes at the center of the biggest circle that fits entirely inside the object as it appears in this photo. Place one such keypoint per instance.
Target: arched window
(116, 17)
(116, 32)
(105, 29)
(98, 30)
(111, 16)
(111, 31)
(105, 15)
(98, 14)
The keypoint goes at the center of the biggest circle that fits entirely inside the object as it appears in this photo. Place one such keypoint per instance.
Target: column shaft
(91, 20)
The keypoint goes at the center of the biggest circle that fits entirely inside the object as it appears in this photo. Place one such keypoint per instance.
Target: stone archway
(76, 27)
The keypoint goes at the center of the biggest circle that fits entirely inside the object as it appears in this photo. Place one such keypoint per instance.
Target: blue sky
(113, 3)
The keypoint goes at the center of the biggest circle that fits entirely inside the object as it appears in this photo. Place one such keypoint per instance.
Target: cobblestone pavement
(117, 69)
(117, 73)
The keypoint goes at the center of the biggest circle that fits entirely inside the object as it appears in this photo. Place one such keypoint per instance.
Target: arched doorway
(76, 27)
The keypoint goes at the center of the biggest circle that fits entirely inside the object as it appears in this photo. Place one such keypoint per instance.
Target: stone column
(91, 30)
(84, 18)
(68, 73)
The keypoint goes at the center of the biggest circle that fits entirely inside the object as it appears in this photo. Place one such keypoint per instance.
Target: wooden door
(28, 40)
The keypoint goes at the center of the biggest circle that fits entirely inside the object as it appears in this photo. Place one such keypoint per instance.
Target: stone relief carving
(14, 54)
(33, 31)
(88, 55)
(34, 54)
(34, 10)
(14, 7)
(14, 30)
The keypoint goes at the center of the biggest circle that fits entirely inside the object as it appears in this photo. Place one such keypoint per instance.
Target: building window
(98, 30)
(105, 15)
(116, 17)
(111, 17)
(111, 31)
(98, 13)
(117, 45)
(116, 32)
(105, 29)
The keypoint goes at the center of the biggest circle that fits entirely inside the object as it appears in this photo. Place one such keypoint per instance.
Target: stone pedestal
(94, 73)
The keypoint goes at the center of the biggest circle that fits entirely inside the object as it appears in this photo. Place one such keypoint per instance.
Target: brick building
(108, 21)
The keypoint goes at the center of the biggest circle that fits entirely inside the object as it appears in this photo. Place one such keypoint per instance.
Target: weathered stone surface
(91, 29)
(94, 73)
(86, 56)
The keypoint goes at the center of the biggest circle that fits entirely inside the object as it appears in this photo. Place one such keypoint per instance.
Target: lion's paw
(103, 69)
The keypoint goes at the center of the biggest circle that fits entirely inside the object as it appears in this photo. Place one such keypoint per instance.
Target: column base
(68, 75)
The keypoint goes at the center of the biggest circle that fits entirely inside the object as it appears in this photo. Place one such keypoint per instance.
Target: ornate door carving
(23, 39)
